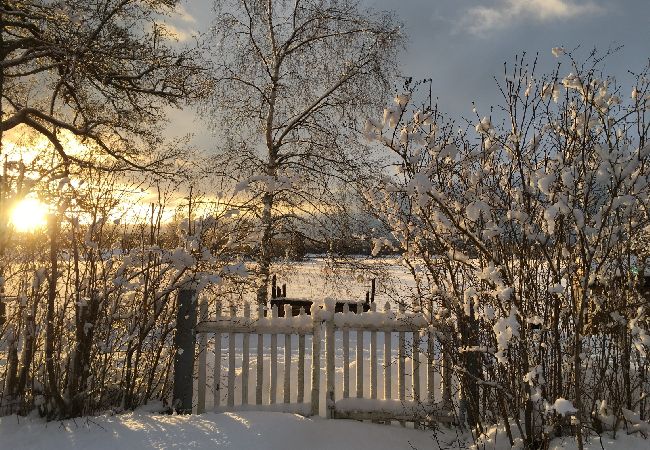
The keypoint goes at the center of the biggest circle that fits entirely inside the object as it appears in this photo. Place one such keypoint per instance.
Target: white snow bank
(496, 438)
(623, 441)
(250, 430)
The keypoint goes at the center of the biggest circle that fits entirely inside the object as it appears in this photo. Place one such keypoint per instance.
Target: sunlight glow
(29, 215)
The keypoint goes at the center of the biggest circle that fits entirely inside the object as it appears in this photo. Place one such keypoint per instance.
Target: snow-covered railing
(321, 326)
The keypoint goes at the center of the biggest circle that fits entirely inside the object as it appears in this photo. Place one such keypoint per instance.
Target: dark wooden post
(184, 343)
(372, 291)
(274, 287)
(3, 308)
(284, 290)
(469, 388)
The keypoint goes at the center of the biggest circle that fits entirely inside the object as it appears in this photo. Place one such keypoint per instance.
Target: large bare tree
(103, 70)
(293, 79)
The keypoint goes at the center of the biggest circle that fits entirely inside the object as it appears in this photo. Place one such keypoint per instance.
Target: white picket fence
(420, 406)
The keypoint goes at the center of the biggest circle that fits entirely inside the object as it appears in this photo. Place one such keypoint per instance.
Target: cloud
(482, 19)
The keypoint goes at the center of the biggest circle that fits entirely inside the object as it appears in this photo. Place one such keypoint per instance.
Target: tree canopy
(102, 70)
(292, 80)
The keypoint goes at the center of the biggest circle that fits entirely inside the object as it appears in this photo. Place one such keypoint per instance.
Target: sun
(29, 215)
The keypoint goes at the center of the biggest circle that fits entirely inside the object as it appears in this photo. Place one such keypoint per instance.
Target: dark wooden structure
(279, 298)
(184, 343)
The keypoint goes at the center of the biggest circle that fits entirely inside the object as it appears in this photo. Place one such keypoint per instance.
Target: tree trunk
(470, 388)
(266, 250)
(52, 386)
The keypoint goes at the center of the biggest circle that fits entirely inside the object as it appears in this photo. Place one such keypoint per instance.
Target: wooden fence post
(3, 307)
(203, 350)
(184, 343)
(373, 358)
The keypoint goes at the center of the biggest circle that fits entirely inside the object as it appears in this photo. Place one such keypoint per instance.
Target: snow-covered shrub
(91, 299)
(526, 226)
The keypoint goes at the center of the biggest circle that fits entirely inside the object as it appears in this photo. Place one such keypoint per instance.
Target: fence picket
(373, 358)
(274, 361)
(329, 361)
(315, 364)
(259, 378)
(287, 358)
(202, 369)
(431, 383)
(359, 356)
(415, 369)
(245, 359)
(216, 373)
(387, 359)
(301, 363)
(346, 356)
(446, 374)
(401, 362)
(231, 360)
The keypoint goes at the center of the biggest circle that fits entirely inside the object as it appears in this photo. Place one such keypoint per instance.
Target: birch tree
(292, 78)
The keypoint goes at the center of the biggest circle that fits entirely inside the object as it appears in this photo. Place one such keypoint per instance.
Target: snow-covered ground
(273, 430)
(250, 430)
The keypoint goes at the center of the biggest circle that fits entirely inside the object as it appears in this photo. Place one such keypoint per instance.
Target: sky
(462, 44)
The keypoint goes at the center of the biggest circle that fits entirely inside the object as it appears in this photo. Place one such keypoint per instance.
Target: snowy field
(251, 430)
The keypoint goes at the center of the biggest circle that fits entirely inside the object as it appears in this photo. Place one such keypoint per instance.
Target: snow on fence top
(372, 320)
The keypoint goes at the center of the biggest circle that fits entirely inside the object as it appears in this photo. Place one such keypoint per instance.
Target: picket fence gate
(421, 407)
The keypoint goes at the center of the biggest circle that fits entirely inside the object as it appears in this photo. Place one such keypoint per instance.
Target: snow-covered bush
(527, 225)
(91, 299)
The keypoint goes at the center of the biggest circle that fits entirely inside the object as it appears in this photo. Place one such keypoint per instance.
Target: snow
(257, 430)
(563, 406)
(249, 430)
(557, 51)
(622, 442)
(495, 438)
(393, 406)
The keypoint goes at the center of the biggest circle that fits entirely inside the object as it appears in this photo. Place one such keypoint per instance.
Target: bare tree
(103, 71)
(292, 80)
